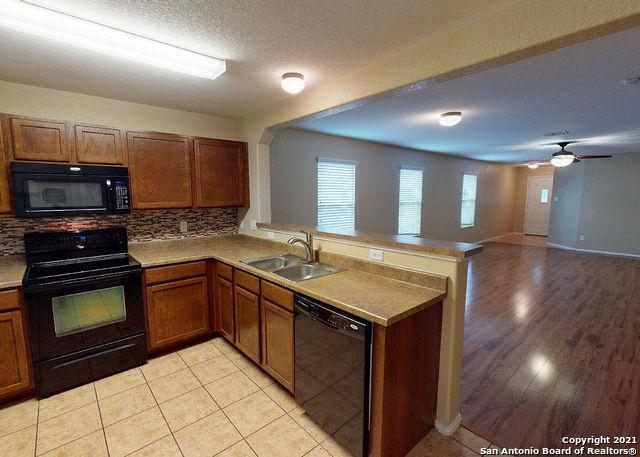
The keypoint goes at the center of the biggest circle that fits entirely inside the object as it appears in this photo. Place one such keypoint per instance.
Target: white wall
(294, 186)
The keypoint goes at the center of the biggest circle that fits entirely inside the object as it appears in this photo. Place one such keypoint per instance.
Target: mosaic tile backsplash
(147, 225)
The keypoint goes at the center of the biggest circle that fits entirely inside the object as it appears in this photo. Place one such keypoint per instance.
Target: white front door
(538, 205)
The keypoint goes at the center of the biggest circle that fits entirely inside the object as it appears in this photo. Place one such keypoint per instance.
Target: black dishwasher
(333, 366)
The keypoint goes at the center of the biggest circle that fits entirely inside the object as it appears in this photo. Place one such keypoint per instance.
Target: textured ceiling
(506, 110)
(261, 40)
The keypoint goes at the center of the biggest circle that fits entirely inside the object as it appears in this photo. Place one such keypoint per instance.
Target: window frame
(355, 188)
(475, 200)
(413, 168)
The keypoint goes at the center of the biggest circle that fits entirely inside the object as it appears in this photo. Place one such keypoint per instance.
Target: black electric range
(83, 295)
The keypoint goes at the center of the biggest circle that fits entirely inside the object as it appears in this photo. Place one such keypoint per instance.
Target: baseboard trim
(449, 429)
(591, 251)
(497, 237)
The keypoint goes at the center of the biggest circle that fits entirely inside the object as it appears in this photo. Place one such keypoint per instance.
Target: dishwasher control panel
(334, 318)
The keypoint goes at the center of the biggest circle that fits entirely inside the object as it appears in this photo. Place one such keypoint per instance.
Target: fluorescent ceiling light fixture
(96, 37)
(532, 165)
(562, 160)
(451, 118)
(292, 82)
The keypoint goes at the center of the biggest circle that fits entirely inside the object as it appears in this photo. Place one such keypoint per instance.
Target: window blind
(410, 201)
(468, 206)
(336, 193)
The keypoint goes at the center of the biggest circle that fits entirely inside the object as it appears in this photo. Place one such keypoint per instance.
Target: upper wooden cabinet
(100, 145)
(5, 196)
(41, 140)
(221, 173)
(160, 170)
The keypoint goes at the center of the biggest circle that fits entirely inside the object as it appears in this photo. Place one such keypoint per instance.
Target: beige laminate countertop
(12, 270)
(456, 249)
(372, 297)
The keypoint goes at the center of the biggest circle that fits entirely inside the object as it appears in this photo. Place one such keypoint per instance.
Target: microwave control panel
(121, 191)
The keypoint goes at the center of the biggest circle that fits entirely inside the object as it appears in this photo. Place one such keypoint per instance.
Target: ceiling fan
(563, 158)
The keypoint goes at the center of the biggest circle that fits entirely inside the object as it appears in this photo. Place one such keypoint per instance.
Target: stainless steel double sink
(292, 267)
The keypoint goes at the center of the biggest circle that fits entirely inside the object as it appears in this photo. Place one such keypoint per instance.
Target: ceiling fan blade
(594, 157)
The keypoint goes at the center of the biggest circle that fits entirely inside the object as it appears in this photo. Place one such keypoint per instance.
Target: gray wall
(293, 156)
(599, 199)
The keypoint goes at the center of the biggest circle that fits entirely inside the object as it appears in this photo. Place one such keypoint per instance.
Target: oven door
(74, 316)
(46, 195)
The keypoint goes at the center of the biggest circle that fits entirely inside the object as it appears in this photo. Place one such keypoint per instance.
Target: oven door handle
(46, 287)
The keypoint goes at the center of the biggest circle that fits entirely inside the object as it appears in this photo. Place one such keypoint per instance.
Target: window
(336, 193)
(544, 196)
(410, 201)
(468, 207)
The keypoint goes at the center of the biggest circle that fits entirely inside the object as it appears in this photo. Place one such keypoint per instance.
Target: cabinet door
(14, 358)
(221, 173)
(278, 358)
(5, 195)
(99, 145)
(177, 311)
(224, 305)
(248, 323)
(41, 140)
(160, 170)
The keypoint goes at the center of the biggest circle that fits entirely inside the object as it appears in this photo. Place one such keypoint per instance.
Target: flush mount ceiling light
(292, 82)
(96, 37)
(532, 165)
(451, 118)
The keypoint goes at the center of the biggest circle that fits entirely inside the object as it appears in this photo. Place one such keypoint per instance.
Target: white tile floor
(206, 400)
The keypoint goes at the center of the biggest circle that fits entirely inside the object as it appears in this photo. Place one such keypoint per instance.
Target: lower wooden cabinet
(247, 306)
(224, 310)
(15, 360)
(277, 343)
(177, 311)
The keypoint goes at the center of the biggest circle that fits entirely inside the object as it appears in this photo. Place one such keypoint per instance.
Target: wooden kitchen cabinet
(15, 360)
(278, 357)
(160, 170)
(177, 311)
(221, 173)
(247, 314)
(225, 314)
(40, 140)
(99, 145)
(5, 192)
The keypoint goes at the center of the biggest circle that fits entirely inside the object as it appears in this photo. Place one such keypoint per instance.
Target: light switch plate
(183, 227)
(254, 225)
(270, 235)
(581, 237)
(376, 254)
(555, 199)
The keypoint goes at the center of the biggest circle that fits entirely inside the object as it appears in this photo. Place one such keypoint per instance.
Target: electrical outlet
(581, 237)
(376, 254)
(270, 235)
(242, 224)
(254, 225)
(183, 227)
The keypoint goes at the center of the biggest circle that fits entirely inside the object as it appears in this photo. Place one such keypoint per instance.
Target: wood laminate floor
(552, 346)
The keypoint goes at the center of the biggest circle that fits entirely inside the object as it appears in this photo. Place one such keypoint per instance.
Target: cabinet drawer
(277, 295)
(171, 272)
(247, 281)
(9, 299)
(224, 271)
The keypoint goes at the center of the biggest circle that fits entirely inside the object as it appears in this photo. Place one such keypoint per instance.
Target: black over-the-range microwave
(51, 190)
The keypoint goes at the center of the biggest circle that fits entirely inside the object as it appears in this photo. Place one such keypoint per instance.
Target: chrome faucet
(308, 244)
